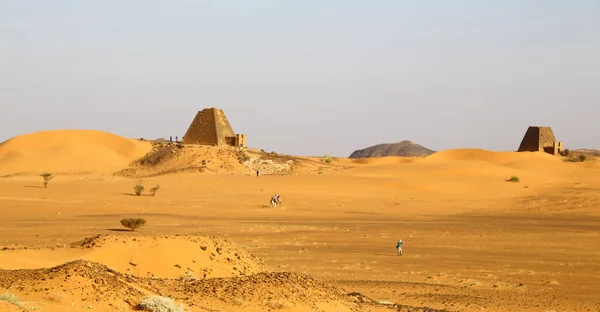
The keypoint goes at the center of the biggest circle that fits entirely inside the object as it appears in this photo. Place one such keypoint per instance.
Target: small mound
(403, 148)
(69, 151)
(171, 256)
(146, 256)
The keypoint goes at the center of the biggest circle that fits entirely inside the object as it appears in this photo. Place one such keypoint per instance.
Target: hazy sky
(306, 77)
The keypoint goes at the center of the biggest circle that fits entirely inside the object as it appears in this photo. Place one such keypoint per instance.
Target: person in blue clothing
(399, 248)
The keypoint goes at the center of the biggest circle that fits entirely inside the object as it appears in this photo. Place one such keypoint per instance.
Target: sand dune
(462, 162)
(69, 151)
(490, 156)
(476, 173)
(165, 257)
(114, 273)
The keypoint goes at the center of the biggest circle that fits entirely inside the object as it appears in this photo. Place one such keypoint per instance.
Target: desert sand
(473, 241)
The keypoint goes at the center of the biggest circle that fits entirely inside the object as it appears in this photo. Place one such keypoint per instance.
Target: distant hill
(404, 148)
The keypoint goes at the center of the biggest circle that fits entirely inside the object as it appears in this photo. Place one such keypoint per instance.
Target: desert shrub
(328, 159)
(47, 177)
(154, 190)
(11, 298)
(582, 157)
(138, 189)
(514, 179)
(133, 223)
(160, 304)
(566, 152)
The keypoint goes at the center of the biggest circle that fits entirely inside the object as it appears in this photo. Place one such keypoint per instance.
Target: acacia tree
(47, 177)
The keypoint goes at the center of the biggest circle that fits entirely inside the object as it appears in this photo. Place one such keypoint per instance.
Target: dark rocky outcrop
(403, 148)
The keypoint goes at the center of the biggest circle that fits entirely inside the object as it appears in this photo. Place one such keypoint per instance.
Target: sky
(306, 77)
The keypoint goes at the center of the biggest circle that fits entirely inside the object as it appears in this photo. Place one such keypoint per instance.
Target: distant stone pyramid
(211, 127)
(540, 139)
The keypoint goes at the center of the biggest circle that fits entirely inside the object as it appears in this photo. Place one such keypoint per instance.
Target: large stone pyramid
(210, 127)
(540, 139)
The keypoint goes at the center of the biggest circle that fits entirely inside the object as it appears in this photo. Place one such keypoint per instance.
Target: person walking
(399, 248)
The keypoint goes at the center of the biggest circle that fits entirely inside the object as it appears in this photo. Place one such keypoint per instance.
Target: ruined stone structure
(211, 127)
(540, 139)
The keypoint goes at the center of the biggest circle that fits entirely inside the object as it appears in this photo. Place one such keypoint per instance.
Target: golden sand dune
(69, 151)
(165, 257)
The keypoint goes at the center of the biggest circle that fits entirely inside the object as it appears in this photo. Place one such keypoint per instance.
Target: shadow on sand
(119, 230)
(128, 194)
(33, 186)
(131, 194)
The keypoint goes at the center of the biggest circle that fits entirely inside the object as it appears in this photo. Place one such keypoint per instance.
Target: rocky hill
(403, 148)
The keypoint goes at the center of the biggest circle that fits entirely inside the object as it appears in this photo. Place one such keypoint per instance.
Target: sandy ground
(472, 240)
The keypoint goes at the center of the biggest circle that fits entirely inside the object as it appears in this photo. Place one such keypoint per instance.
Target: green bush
(133, 223)
(328, 159)
(582, 157)
(514, 179)
(139, 189)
